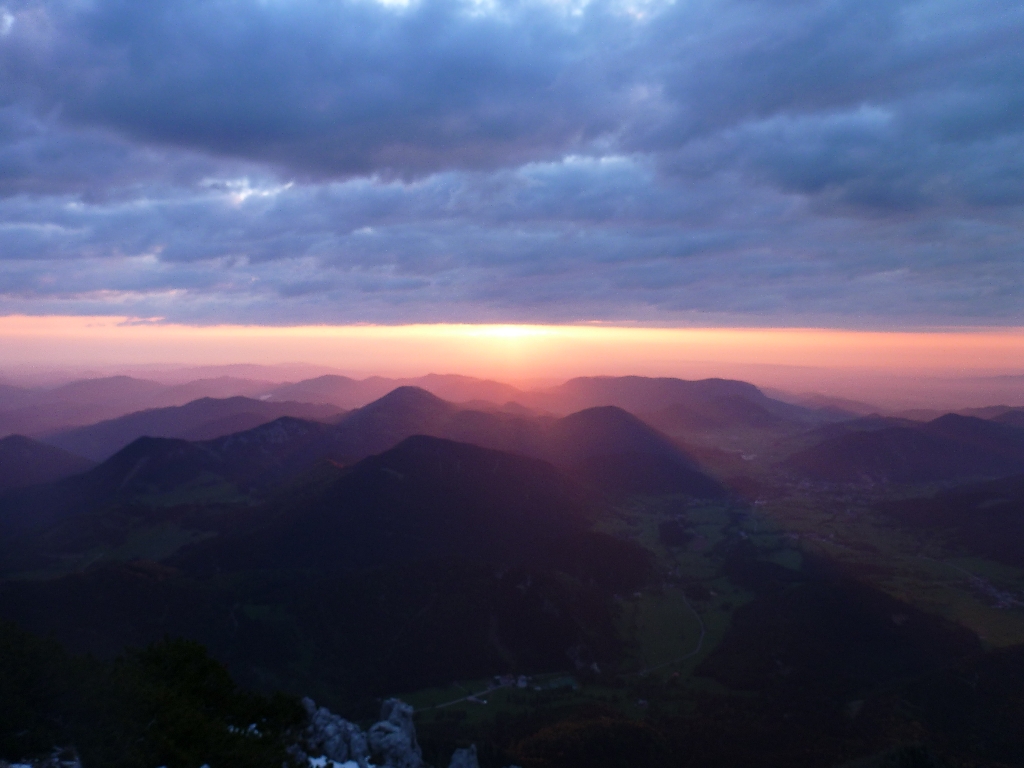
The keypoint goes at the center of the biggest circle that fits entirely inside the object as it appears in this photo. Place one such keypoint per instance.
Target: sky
(202, 180)
(938, 369)
(840, 164)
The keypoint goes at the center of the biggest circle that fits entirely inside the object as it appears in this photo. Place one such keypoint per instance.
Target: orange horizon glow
(507, 351)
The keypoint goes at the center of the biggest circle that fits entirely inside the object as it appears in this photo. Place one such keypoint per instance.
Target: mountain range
(730, 417)
(590, 544)
(37, 411)
(349, 393)
(606, 448)
(202, 419)
(951, 447)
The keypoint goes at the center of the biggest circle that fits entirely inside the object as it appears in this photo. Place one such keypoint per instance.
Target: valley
(528, 581)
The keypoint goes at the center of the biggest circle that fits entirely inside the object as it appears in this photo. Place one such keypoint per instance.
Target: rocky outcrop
(393, 739)
(332, 736)
(389, 743)
(465, 758)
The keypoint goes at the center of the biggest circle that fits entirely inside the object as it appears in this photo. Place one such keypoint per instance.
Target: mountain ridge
(951, 447)
(196, 420)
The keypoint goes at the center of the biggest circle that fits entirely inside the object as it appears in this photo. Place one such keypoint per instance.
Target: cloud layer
(845, 163)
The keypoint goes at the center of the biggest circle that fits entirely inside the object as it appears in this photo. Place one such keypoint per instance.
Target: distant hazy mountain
(202, 419)
(607, 448)
(819, 401)
(12, 397)
(682, 407)
(992, 412)
(24, 461)
(675, 405)
(948, 448)
(590, 442)
(463, 389)
(579, 442)
(277, 374)
(637, 394)
(720, 414)
(220, 388)
(641, 394)
(1014, 417)
(113, 388)
(348, 393)
(340, 391)
(38, 411)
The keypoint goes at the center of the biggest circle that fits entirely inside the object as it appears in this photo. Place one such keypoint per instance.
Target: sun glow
(788, 357)
(508, 331)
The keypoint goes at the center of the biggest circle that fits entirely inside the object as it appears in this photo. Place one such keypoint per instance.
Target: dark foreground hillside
(814, 672)
(433, 561)
(169, 704)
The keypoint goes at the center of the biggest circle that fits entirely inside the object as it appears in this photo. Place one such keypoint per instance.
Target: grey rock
(358, 746)
(400, 714)
(393, 740)
(465, 758)
(332, 736)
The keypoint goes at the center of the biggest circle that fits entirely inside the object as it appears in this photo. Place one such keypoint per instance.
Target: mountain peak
(614, 450)
(409, 397)
(606, 426)
(967, 427)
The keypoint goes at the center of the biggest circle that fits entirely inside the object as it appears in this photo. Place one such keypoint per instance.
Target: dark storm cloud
(353, 86)
(344, 160)
(322, 88)
(38, 156)
(876, 104)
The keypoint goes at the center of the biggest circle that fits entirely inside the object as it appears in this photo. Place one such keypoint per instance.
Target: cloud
(739, 161)
(323, 89)
(539, 244)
